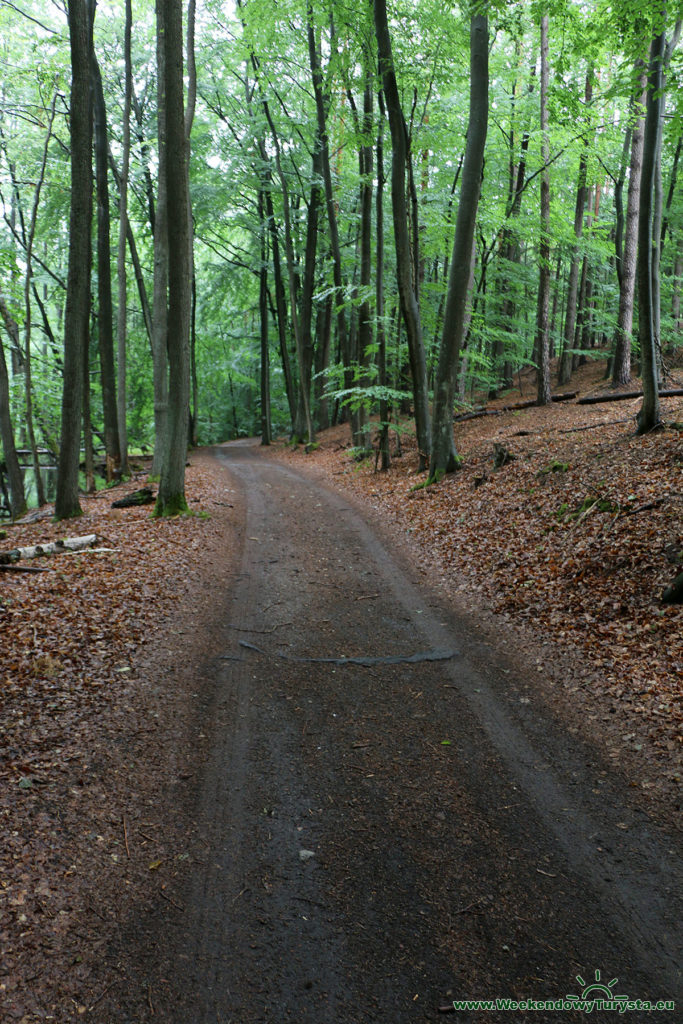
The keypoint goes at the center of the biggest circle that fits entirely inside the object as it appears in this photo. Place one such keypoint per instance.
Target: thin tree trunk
(379, 291)
(542, 343)
(76, 316)
(323, 336)
(266, 435)
(105, 327)
(648, 249)
(280, 298)
(619, 190)
(17, 497)
(189, 119)
(404, 269)
(676, 295)
(147, 315)
(572, 288)
(194, 411)
(121, 320)
(291, 275)
(88, 452)
(30, 236)
(365, 164)
(621, 364)
(443, 457)
(330, 205)
(671, 192)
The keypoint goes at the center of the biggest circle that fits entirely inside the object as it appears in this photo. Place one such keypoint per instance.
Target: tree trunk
(192, 411)
(160, 296)
(264, 315)
(648, 248)
(105, 328)
(304, 392)
(15, 477)
(280, 297)
(565, 373)
(77, 311)
(323, 336)
(137, 268)
(308, 284)
(379, 292)
(619, 189)
(671, 192)
(542, 343)
(171, 496)
(676, 295)
(404, 268)
(365, 162)
(443, 457)
(88, 452)
(121, 320)
(621, 365)
(321, 117)
(28, 283)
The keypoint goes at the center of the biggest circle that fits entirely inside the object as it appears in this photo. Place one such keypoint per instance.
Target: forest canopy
(256, 218)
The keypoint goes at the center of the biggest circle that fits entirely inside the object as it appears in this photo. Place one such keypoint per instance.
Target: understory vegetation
(352, 255)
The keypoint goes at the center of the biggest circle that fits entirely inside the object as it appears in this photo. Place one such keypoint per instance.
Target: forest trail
(374, 841)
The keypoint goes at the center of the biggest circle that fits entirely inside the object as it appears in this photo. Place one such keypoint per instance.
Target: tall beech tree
(124, 229)
(648, 245)
(171, 494)
(105, 315)
(621, 365)
(542, 344)
(407, 286)
(330, 204)
(566, 359)
(159, 222)
(443, 456)
(77, 310)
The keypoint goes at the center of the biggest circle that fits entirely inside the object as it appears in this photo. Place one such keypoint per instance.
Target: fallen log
(51, 548)
(144, 496)
(623, 396)
(475, 414)
(23, 568)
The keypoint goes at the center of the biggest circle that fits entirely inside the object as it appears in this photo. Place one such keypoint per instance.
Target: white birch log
(50, 548)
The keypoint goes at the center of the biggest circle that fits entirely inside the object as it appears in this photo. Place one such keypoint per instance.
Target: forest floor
(138, 733)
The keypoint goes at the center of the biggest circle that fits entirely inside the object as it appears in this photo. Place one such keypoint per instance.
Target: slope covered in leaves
(91, 734)
(572, 542)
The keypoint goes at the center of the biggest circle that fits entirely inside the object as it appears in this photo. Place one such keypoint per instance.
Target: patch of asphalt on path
(464, 846)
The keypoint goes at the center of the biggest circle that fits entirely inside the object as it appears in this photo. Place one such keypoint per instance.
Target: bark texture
(105, 316)
(443, 457)
(171, 496)
(648, 248)
(404, 263)
(542, 344)
(621, 369)
(14, 475)
(77, 309)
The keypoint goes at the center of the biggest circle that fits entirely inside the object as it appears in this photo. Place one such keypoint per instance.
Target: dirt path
(370, 842)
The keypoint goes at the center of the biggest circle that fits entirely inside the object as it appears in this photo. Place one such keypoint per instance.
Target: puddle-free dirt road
(387, 820)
